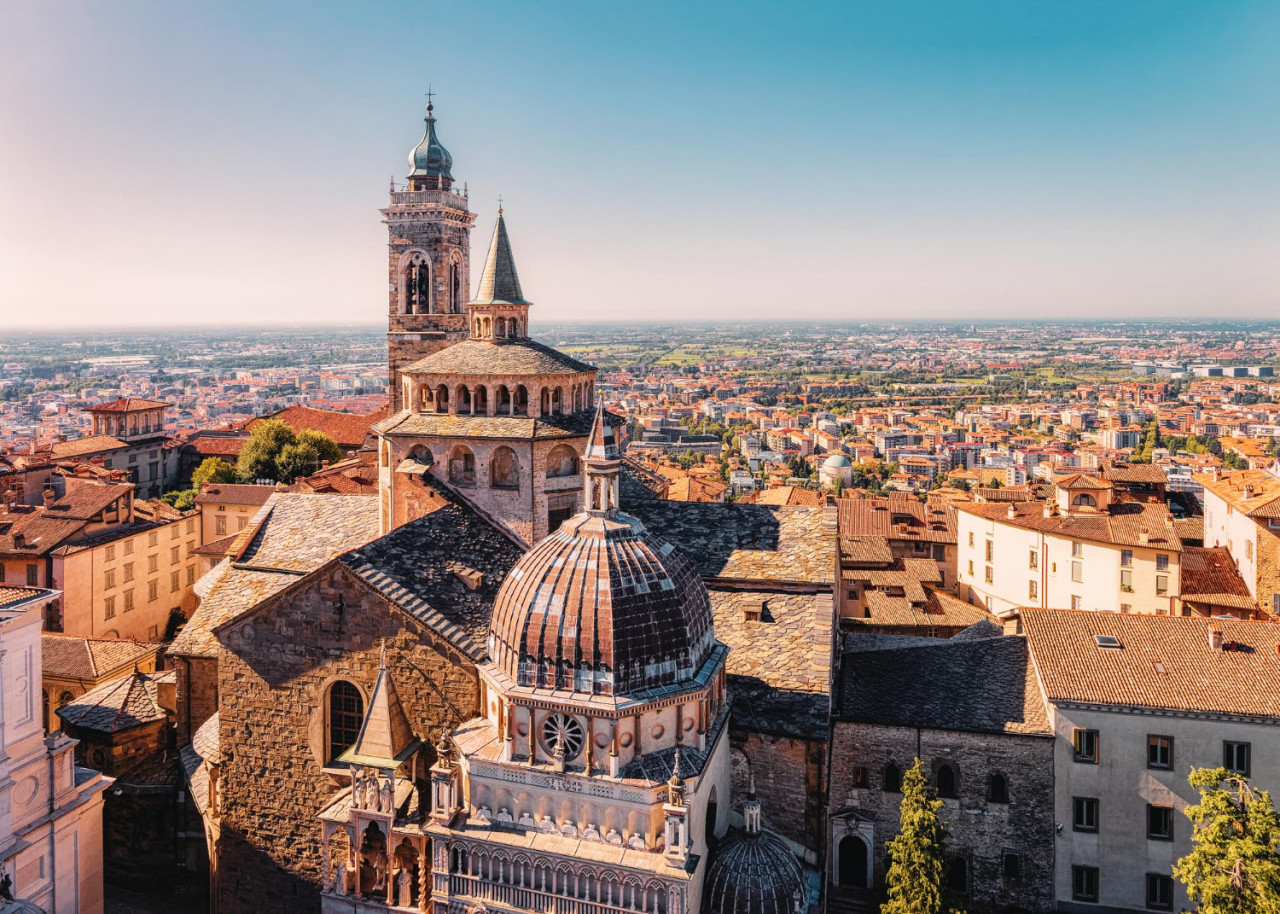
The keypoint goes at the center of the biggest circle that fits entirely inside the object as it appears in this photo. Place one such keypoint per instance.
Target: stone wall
(197, 693)
(980, 831)
(788, 774)
(276, 671)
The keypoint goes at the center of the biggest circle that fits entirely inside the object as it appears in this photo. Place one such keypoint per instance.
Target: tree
(1233, 866)
(213, 470)
(306, 455)
(258, 455)
(918, 852)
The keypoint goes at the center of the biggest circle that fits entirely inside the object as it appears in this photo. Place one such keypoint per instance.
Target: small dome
(837, 462)
(753, 874)
(429, 158)
(602, 606)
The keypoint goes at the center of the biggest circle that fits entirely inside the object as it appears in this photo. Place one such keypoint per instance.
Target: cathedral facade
(492, 688)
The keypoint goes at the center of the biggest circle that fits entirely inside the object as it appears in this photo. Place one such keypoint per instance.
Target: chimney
(324, 464)
(1012, 513)
(1215, 639)
(1144, 538)
(50, 496)
(1050, 509)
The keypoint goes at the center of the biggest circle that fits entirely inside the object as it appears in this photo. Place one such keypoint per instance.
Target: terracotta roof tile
(89, 658)
(1123, 525)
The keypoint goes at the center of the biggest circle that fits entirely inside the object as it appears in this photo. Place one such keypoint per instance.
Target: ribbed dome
(837, 462)
(602, 606)
(429, 158)
(753, 874)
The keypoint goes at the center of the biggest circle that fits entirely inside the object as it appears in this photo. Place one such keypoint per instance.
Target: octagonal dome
(602, 606)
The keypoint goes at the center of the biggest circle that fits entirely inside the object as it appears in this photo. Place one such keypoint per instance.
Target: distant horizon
(847, 161)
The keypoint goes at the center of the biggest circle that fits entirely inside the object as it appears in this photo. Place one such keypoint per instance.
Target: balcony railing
(534, 900)
(431, 197)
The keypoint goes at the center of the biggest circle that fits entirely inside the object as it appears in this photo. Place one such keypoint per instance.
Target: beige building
(1242, 513)
(74, 665)
(1135, 702)
(125, 580)
(225, 510)
(1078, 550)
(50, 810)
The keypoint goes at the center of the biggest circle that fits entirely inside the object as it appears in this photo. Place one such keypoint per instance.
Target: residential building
(1078, 550)
(226, 509)
(50, 809)
(74, 665)
(1136, 702)
(1242, 513)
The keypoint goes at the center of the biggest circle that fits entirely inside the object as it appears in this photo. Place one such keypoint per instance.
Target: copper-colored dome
(602, 606)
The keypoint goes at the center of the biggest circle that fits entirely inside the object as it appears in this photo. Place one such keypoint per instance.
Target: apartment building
(1135, 702)
(1242, 513)
(225, 510)
(1077, 550)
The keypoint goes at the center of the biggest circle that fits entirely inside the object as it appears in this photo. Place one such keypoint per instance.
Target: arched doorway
(852, 862)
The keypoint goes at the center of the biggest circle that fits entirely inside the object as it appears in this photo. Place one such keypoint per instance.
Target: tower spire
(603, 462)
(499, 282)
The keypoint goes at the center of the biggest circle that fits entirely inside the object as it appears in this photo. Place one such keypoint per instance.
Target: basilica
(515, 681)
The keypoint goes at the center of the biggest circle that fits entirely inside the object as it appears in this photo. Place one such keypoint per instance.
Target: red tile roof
(94, 444)
(126, 404)
(1209, 576)
(931, 523)
(1163, 662)
(1123, 525)
(348, 430)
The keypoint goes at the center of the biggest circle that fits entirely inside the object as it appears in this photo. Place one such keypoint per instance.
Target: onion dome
(753, 871)
(429, 158)
(602, 605)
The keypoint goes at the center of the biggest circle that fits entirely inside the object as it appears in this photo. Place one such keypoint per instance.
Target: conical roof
(499, 284)
(602, 442)
(385, 738)
(429, 158)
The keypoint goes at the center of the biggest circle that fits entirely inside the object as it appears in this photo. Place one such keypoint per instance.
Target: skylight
(1109, 641)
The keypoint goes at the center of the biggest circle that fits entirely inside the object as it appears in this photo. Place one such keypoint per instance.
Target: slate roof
(1209, 575)
(575, 425)
(981, 686)
(1121, 525)
(499, 282)
(119, 705)
(520, 357)
(778, 669)
(417, 568)
(197, 756)
(75, 657)
(291, 535)
(1164, 662)
(746, 542)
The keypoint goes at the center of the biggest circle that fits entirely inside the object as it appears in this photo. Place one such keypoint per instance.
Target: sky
(224, 162)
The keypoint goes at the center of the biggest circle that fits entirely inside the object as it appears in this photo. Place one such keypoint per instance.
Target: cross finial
(430, 95)
(499, 204)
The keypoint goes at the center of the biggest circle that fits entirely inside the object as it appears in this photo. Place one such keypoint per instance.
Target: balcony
(530, 899)
(405, 197)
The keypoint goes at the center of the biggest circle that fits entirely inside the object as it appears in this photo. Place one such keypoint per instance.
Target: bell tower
(428, 258)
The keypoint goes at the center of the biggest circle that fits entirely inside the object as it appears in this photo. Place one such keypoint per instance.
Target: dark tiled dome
(602, 606)
(753, 874)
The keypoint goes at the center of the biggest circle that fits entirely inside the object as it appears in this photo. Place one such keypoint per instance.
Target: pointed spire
(499, 283)
(602, 443)
(385, 739)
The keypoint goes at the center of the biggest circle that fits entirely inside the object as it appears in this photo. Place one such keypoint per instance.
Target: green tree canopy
(306, 455)
(1233, 867)
(918, 852)
(259, 453)
(214, 470)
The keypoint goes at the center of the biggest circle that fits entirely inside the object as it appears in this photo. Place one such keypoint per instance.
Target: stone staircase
(851, 901)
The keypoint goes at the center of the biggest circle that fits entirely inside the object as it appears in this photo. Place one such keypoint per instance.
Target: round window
(563, 729)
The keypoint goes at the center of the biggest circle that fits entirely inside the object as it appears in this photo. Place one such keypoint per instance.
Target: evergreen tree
(306, 455)
(918, 851)
(1233, 867)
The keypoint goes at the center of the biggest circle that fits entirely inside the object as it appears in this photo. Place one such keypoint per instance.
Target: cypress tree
(915, 876)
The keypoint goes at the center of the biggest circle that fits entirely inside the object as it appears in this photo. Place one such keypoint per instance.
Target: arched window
(504, 469)
(892, 779)
(422, 454)
(520, 401)
(562, 461)
(946, 782)
(502, 400)
(997, 789)
(416, 285)
(442, 399)
(65, 699)
(346, 713)
(557, 401)
(462, 466)
(713, 808)
(1084, 500)
(464, 399)
(544, 402)
(455, 288)
(480, 401)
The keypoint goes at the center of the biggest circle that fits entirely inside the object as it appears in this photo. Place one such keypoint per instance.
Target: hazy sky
(179, 162)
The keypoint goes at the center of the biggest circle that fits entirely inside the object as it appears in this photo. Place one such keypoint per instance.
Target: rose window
(565, 730)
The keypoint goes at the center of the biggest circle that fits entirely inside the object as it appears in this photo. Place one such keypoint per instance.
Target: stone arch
(852, 868)
(480, 400)
(544, 402)
(520, 401)
(997, 788)
(557, 401)
(892, 782)
(504, 468)
(343, 715)
(422, 454)
(465, 406)
(1084, 500)
(502, 400)
(457, 292)
(562, 461)
(414, 282)
(442, 398)
(947, 781)
(462, 466)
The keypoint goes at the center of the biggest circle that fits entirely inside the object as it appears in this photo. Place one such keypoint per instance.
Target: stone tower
(428, 259)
